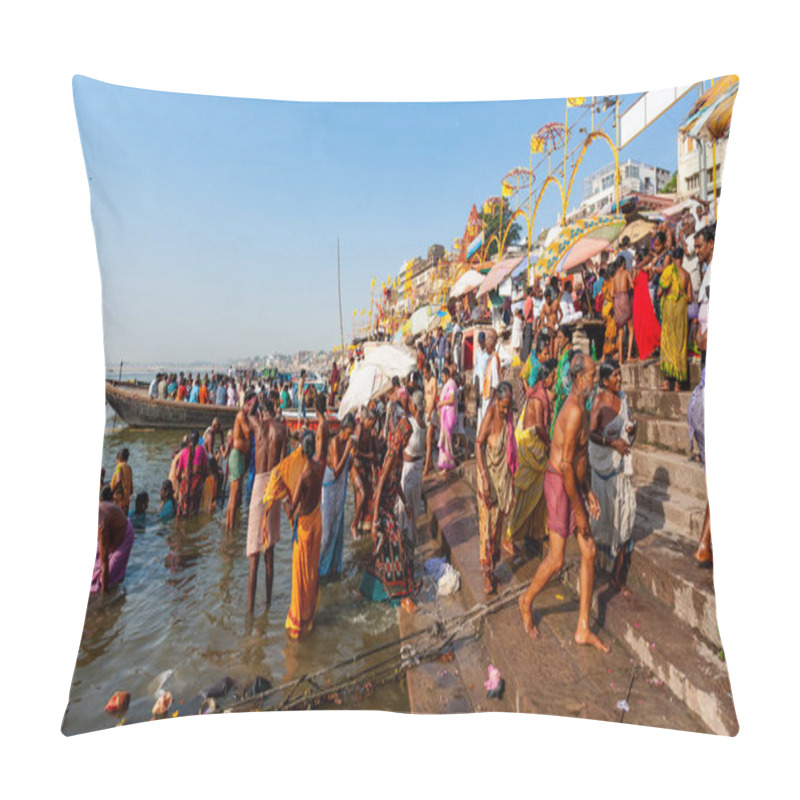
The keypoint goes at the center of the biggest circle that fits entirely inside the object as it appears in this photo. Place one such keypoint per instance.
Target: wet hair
(504, 390)
(677, 253)
(142, 501)
(194, 438)
(123, 454)
(607, 369)
(166, 487)
(106, 495)
(349, 422)
(708, 233)
(577, 364)
(321, 403)
(309, 444)
(542, 342)
(547, 368)
(661, 237)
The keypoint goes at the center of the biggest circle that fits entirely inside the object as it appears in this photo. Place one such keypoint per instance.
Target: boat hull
(138, 410)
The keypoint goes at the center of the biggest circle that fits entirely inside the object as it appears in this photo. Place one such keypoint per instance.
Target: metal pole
(339, 283)
(566, 136)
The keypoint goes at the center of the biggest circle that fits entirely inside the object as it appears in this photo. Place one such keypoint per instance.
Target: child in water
(167, 510)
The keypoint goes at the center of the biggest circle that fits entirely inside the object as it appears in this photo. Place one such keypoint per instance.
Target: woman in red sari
(646, 328)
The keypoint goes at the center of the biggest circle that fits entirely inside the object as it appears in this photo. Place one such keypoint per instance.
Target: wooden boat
(138, 410)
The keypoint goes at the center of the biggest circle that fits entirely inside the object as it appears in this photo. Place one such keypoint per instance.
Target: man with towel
(623, 310)
(264, 530)
(568, 494)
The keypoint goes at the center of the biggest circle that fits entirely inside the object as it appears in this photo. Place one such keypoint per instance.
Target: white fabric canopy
(374, 374)
(466, 283)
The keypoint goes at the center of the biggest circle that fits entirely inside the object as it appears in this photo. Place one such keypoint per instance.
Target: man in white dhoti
(411, 476)
(611, 434)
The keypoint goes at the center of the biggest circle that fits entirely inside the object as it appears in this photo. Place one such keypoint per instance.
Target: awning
(710, 117)
(500, 271)
(470, 280)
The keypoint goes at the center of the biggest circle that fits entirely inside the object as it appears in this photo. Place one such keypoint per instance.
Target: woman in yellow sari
(607, 313)
(675, 291)
(298, 480)
(529, 516)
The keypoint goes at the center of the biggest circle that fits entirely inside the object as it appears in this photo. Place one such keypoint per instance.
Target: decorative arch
(589, 139)
(520, 212)
(550, 179)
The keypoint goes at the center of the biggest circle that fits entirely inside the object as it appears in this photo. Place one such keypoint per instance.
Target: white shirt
(154, 389)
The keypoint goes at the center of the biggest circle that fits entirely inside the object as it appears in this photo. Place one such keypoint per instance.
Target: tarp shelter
(602, 228)
(710, 117)
(374, 374)
(498, 273)
(637, 230)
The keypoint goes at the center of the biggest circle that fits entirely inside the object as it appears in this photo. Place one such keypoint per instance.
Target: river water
(179, 622)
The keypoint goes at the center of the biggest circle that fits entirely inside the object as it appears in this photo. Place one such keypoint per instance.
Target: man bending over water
(565, 487)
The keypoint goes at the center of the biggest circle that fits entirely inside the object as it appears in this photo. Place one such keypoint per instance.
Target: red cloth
(646, 328)
(527, 309)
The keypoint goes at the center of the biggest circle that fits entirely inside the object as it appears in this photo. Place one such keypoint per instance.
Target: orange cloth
(122, 485)
(305, 574)
(487, 376)
(283, 479)
(202, 395)
(208, 498)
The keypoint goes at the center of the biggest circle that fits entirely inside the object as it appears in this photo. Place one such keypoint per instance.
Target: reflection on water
(178, 622)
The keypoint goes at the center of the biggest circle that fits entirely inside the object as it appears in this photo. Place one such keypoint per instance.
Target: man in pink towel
(568, 492)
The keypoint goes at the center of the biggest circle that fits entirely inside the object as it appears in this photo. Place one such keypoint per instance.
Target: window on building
(608, 181)
(631, 172)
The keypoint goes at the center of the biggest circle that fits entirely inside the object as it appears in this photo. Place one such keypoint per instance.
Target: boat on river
(138, 410)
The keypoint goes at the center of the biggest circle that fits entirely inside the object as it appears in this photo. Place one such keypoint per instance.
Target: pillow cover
(300, 509)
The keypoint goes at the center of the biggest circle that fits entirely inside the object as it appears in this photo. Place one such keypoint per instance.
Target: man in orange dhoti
(298, 480)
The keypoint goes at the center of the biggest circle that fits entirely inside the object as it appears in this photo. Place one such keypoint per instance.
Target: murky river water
(179, 620)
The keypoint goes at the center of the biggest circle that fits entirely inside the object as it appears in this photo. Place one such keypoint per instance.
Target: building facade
(695, 167)
(635, 178)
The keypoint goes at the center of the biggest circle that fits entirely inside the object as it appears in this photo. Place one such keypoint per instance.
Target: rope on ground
(441, 636)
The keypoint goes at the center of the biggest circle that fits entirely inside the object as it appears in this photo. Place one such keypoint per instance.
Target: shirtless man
(550, 318)
(623, 309)
(363, 471)
(495, 482)
(565, 487)
(271, 445)
(431, 396)
(323, 433)
(237, 460)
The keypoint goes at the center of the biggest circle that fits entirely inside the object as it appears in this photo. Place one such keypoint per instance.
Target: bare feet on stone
(619, 586)
(527, 619)
(587, 637)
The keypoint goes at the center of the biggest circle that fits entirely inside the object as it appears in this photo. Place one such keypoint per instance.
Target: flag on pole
(573, 102)
(507, 189)
(537, 144)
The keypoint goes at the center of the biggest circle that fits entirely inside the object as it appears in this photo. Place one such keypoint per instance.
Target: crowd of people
(561, 466)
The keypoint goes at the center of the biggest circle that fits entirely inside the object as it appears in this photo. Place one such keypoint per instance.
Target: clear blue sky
(217, 218)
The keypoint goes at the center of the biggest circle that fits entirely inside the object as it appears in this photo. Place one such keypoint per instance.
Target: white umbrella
(466, 283)
(374, 374)
(420, 320)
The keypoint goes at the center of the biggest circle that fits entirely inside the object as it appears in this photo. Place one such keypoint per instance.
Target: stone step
(665, 569)
(689, 667)
(664, 433)
(663, 509)
(552, 675)
(647, 374)
(666, 405)
(669, 470)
